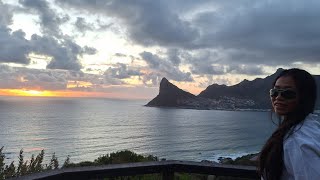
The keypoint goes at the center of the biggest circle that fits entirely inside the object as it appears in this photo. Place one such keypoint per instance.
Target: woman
(293, 150)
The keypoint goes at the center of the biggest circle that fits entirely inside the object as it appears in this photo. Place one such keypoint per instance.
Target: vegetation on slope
(36, 164)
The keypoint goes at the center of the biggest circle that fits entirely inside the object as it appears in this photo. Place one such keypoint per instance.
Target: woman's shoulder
(311, 123)
(302, 150)
(306, 132)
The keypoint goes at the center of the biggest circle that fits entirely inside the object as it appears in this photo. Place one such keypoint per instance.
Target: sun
(29, 92)
(33, 92)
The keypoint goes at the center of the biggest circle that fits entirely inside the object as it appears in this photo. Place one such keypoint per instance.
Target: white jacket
(301, 151)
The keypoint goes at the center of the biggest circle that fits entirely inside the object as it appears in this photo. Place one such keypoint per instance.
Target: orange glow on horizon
(24, 92)
(45, 93)
(66, 94)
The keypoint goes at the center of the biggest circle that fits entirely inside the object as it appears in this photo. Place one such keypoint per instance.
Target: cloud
(246, 69)
(153, 77)
(148, 22)
(122, 71)
(203, 68)
(64, 53)
(249, 32)
(5, 15)
(88, 50)
(269, 32)
(14, 47)
(16, 78)
(102, 26)
(49, 79)
(213, 62)
(63, 49)
(164, 68)
(120, 55)
(50, 21)
(82, 25)
(174, 56)
(206, 38)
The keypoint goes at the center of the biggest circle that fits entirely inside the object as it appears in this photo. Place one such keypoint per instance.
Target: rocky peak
(169, 95)
(166, 87)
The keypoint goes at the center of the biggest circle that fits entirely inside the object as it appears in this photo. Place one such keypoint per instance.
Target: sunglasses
(285, 93)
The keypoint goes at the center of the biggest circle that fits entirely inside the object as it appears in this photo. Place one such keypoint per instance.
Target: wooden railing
(166, 168)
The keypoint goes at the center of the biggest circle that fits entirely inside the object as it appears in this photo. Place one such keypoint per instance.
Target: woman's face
(281, 104)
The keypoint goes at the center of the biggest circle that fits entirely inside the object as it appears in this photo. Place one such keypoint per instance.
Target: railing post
(168, 174)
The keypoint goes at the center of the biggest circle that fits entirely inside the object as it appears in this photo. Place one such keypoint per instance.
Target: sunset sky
(123, 48)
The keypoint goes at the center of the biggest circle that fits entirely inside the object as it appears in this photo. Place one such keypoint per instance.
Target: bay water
(86, 128)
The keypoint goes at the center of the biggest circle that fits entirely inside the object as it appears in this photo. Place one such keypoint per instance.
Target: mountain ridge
(244, 95)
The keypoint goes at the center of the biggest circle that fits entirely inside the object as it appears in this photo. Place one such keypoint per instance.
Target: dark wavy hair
(271, 157)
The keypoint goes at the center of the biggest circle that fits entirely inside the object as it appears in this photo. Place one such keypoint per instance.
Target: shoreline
(218, 109)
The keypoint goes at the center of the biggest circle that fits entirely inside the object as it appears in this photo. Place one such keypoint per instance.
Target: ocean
(86, 128)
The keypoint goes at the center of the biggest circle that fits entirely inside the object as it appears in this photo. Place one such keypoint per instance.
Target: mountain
(170, 95)
(256, 90)
(245, 95)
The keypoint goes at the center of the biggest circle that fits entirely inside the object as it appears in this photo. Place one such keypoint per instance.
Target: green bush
(35, 164)
(244, 160)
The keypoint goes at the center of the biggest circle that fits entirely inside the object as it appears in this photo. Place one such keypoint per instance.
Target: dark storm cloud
(164, 68)
(245, 69)
(203, 68)
(148, 22)
(211, 62)
(245, 32)
(211, 37)
(14, 47)
(277, 32)
(152, 23)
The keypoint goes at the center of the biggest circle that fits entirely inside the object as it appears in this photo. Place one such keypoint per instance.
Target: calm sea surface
(84, 129)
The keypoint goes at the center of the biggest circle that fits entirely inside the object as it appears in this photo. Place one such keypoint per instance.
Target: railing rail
(166, 168)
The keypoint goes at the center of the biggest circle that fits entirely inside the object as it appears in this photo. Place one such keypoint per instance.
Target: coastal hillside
(256, 90)
(245, 95)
